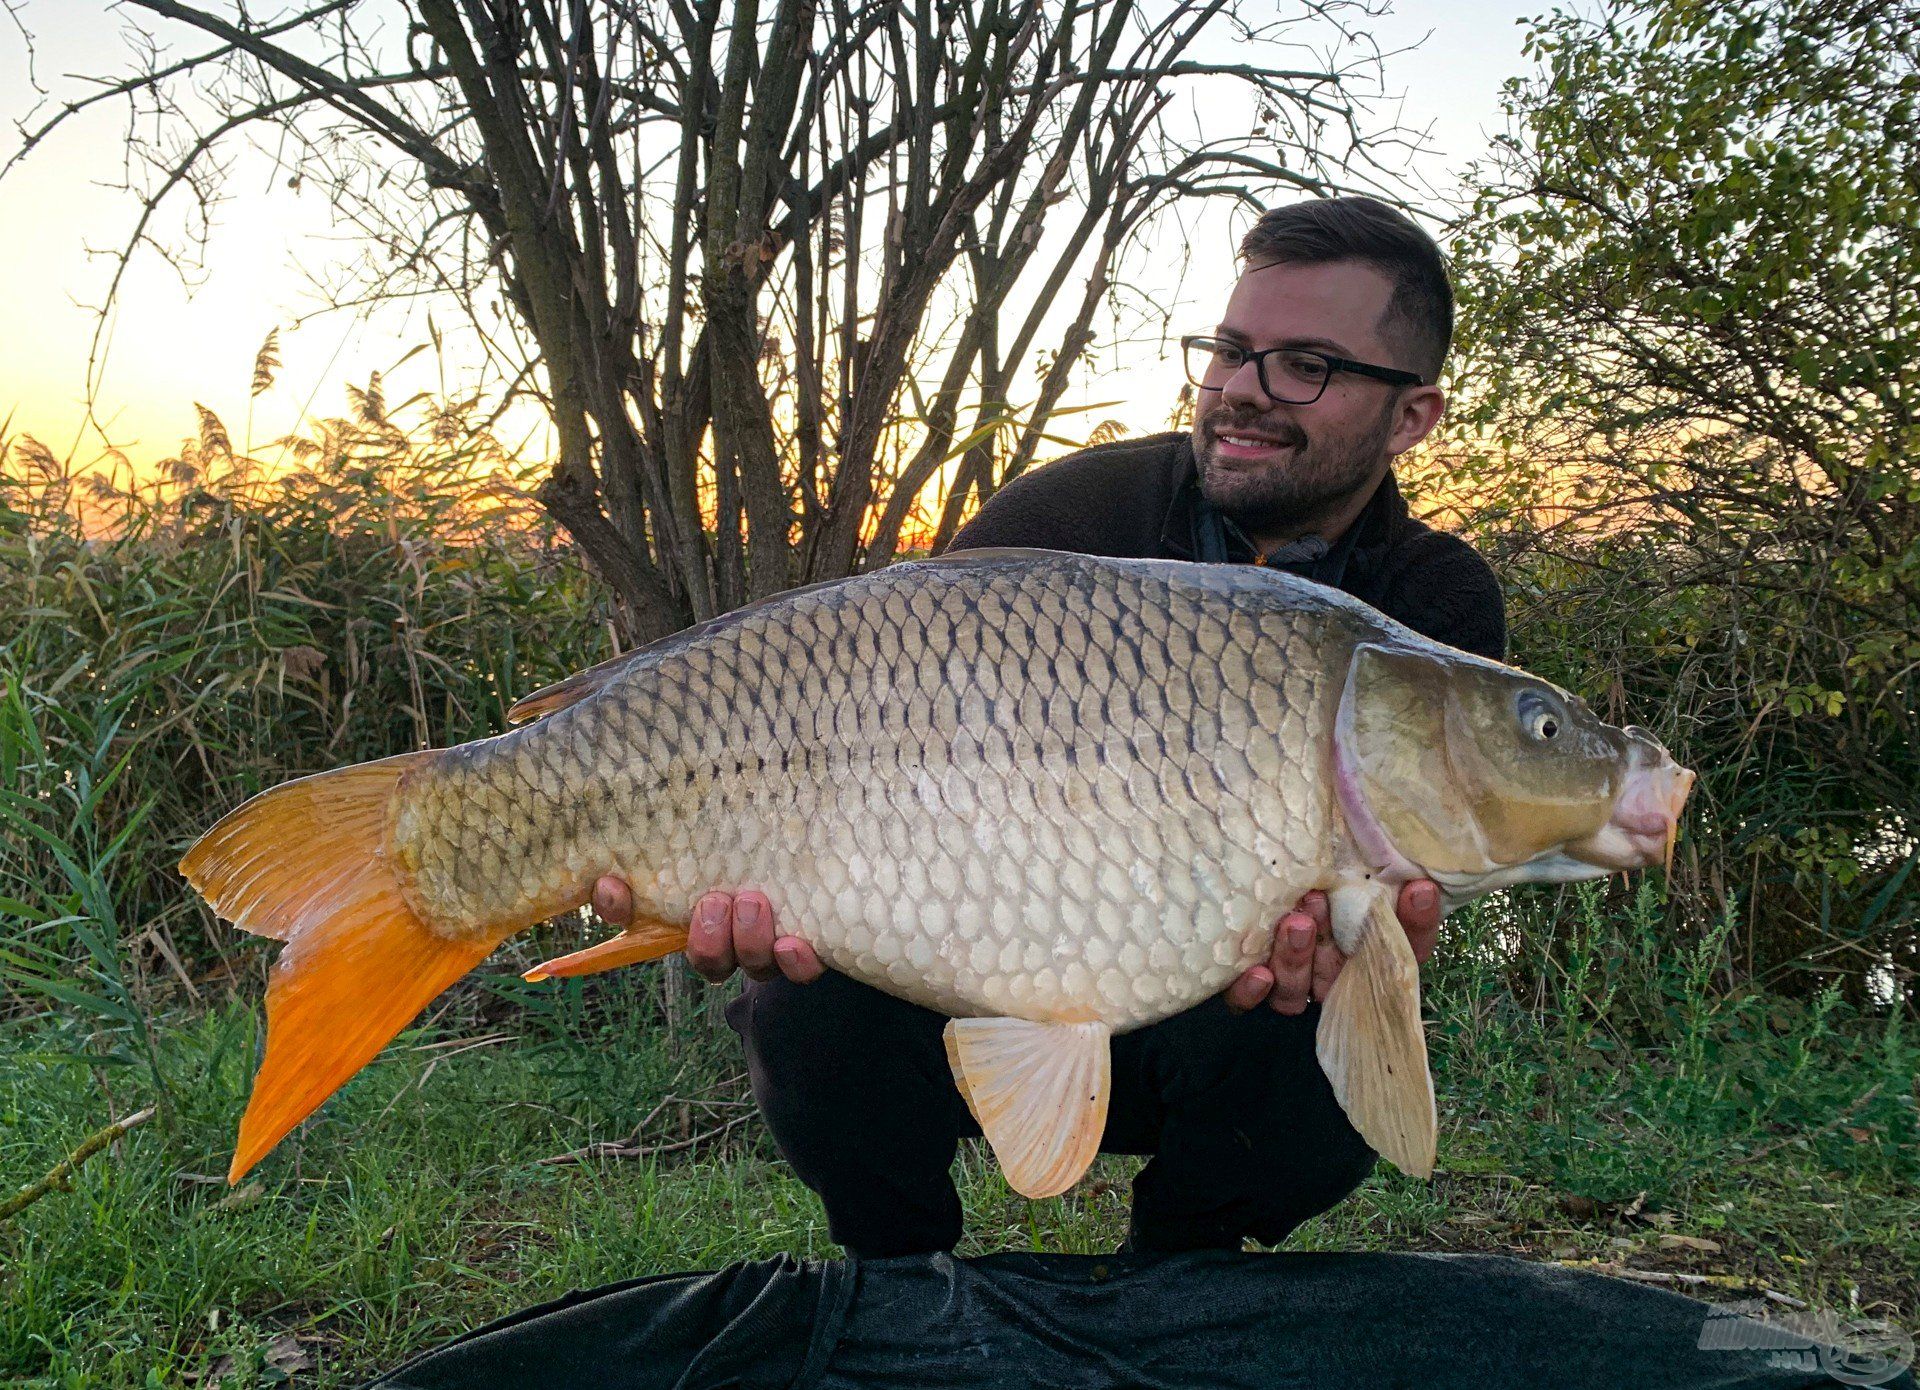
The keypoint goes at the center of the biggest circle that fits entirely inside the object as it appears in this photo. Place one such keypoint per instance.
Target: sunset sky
(173, 344)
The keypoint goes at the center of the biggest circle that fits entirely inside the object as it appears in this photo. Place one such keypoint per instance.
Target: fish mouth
(1645, 824)
(1641, 832)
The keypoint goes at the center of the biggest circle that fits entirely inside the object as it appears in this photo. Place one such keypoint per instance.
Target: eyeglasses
(1291, 376)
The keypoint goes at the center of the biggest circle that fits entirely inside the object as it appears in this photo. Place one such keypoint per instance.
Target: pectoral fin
(1370, 1042)
(1039, 1091)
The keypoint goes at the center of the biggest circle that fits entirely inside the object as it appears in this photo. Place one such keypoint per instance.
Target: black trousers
(1246, 1137)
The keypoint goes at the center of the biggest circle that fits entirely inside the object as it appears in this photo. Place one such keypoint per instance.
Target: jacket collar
(1195, 530)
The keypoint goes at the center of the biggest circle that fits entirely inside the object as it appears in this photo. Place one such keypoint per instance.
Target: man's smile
(1248, 444)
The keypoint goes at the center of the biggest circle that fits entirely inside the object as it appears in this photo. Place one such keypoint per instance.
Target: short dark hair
(1419, 317)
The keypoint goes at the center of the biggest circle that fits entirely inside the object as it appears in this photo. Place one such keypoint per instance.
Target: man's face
(1306, 459)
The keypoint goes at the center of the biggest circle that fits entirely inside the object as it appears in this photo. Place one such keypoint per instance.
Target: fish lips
(1645, 823)
(1640, 833)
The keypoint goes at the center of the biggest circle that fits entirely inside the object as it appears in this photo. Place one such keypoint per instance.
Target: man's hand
(1305, 961)
(726, 931)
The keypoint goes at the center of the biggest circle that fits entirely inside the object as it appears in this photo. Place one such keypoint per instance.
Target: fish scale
(932, 786)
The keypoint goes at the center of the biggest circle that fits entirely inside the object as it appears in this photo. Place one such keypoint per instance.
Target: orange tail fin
(647, 939)
(307, 864)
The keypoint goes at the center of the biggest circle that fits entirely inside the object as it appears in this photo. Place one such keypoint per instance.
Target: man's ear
(1416, 413)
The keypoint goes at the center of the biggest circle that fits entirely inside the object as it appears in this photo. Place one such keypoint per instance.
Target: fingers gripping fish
(1053, 796)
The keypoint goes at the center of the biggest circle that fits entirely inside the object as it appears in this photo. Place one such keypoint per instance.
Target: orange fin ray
(307, 863)
(648, 938)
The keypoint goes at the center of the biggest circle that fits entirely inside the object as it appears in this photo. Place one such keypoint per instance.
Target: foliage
(175, 644)
(1562, 1037)
(769, 270)
(1688, 325)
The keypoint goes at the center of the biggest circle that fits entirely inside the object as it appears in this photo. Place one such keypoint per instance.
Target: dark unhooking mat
(1213, 1319)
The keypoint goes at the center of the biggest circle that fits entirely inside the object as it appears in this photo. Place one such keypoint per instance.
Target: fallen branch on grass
(1662, 1276)
(630, 1147)
(61, 1178)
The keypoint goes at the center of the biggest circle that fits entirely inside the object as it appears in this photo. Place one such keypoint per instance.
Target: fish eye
(1538, 716)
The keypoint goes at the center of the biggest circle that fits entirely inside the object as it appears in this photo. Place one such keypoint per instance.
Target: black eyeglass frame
(1393, 376)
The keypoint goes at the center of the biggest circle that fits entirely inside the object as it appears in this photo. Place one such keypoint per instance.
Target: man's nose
(1243, 388)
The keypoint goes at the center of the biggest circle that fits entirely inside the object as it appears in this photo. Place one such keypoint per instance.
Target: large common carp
(1052, 795)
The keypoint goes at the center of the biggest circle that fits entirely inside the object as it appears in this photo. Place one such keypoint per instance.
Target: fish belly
(1075, 791)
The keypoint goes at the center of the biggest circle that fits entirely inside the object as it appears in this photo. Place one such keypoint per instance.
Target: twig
(464, 1044)
(61, 1178)
(632, 1135)
(725, 1083)
(458, 1046)
(1661, 1276)
(609, 1149)
(630, 1146)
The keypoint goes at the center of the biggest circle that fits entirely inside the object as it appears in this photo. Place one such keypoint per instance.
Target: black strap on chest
(1217, 539)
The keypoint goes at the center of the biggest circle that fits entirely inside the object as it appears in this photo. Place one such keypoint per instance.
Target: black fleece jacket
(1140, 498)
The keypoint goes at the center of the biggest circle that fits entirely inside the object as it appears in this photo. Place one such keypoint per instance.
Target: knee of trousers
(1262, 1070)
(1291, 1172)
(1292, 1111)
(1251, 1056)
(834, 1046)
(1305, 1151)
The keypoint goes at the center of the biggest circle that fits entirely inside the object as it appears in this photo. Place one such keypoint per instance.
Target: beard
(1304, 484)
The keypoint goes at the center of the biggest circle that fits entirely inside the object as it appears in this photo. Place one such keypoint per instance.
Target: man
(1320, 372)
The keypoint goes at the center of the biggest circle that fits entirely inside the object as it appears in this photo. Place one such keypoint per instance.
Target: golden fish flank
(936, 782)
(1052, 795)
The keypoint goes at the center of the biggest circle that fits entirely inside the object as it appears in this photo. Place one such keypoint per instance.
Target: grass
(1592, 1122)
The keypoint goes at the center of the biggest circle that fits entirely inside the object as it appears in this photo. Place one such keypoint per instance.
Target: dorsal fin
(570, 691)
(594, 679)
(992, 554)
